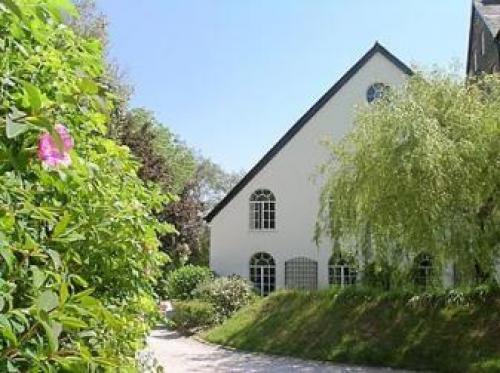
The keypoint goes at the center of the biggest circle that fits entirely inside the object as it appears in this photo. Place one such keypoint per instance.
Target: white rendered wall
(289, 176)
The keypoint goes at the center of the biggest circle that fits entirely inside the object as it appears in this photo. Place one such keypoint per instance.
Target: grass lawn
(362, 328)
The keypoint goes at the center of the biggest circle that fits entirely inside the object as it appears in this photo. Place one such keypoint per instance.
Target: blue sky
(231, 76)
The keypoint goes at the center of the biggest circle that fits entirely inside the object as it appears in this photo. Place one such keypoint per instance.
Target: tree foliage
(420, 171)
(200, 194)
(164, 158)
(90, 23)
(78, 246)
(214, 182)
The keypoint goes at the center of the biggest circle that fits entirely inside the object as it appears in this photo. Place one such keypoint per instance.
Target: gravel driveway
(179, 354)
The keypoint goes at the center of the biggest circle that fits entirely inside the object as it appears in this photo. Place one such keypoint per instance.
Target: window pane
(262, 207)
(262, 273)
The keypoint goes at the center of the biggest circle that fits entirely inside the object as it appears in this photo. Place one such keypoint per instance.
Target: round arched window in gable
(376, 91)
(263, 273)
(262, 210)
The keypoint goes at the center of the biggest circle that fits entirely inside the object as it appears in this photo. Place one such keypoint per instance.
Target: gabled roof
(377, 48)
(489, 10)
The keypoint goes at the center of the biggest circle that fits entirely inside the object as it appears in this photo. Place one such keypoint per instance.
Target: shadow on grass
(377, 332)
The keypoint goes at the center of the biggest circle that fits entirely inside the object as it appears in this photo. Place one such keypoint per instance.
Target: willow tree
(420, 171)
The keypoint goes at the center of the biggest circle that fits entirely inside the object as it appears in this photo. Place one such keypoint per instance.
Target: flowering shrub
(51, 154)
(78, 246)
(181, 282)
(148, 363)
(227, 294)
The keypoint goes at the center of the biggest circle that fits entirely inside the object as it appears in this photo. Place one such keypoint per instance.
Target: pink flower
(65, 137)
(50, 154)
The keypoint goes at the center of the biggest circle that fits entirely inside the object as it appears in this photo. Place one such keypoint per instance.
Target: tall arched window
(423, 270)
(262, 210)
(263, 273)
(341, 271)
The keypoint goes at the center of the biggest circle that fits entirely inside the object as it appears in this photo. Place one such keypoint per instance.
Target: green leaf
(72, 322)
(13, 7)
(7, 222)
(52, 331)
(47, 301)
(56, 258)
(61, 225)
(21, 48)
(70, 237)
(13, 128)
(88, 86)
(38, 277)
(6, 330)
(80, 281)
(8, 257)
(8, 333)
(34, 96)
(20, 316)
(63, 293)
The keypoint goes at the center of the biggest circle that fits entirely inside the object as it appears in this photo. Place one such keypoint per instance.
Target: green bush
(193, 314)
(227, 294)
(78, 246)
(181, 282)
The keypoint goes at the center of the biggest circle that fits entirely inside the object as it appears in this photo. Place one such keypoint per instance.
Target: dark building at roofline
(483, 55)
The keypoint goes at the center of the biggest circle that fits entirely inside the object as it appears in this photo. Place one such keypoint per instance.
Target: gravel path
(179, 354)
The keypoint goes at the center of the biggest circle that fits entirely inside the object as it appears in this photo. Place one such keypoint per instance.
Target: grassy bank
(444, 332)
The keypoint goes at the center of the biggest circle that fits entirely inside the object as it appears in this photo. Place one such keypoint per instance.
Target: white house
(263, 229)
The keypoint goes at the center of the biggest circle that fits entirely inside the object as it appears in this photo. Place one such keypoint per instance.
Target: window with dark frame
(263, 273)
(423, 270)
(341, 272)
(262, 210)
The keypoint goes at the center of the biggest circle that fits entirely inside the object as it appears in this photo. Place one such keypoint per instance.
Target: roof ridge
(290, 133)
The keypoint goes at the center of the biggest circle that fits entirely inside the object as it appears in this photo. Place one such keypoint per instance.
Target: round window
(376, 91)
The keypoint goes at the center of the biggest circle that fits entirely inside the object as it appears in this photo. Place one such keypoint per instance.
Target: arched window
(301, 273)
(263, 273)
(341, 272)
(423, 270)
(262, 210)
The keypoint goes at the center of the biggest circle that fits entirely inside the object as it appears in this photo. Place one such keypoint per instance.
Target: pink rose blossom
(50, 154)
(65, 137)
